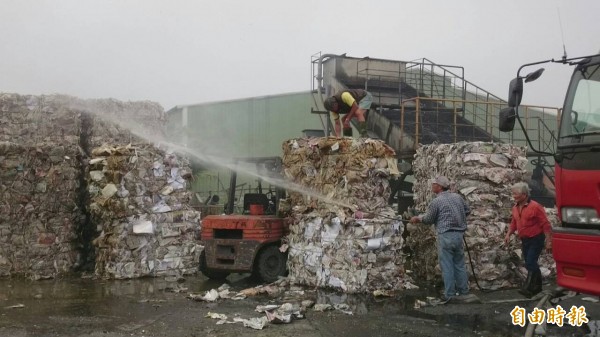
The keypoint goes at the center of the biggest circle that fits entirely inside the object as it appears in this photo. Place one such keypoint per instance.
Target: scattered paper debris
(409, 285)
(419, 304)
(386, 293)
(344, 308)
(211, 296)
(322, 307)
(250, 292)
(308, 304)
(257, 323)
(215, 315)
(269, 307)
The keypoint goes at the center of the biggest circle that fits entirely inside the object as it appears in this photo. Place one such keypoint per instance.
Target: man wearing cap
(448, 211)
(351, 103)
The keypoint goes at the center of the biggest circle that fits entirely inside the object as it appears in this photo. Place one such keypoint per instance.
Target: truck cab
(576, 239)
(576, 242)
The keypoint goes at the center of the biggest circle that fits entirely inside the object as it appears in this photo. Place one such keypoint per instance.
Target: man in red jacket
(530, 222)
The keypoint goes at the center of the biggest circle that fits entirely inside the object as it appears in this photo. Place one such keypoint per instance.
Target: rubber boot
(362, 129)
(526, 288)
(536, 283)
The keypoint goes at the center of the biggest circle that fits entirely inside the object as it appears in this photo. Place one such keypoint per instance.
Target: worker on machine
(351, 103)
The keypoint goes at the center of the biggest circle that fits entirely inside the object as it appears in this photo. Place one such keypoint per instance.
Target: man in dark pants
(448, 211)
(529, 220)
(351, 103)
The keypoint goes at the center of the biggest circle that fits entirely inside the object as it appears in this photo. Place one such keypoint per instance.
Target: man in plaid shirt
(448, 211)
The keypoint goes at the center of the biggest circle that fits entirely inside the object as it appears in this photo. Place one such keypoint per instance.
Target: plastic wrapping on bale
(347, 238)
(482, 173)
(138, 196)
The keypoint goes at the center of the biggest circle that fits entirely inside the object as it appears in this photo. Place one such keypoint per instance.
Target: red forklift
(248, 242)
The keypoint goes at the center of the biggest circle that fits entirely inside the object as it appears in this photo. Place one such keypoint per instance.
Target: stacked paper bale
(44, 229)
(28, 119)
(343, 233)
(483, 173)
(139, 199)
(40, 170)
(113, 122)
(109, 121)
(145, 227)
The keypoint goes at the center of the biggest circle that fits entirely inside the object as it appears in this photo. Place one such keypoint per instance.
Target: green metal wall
(246, 127)
(252, 127)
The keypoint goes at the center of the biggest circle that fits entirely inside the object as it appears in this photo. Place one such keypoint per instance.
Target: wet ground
(149, 307)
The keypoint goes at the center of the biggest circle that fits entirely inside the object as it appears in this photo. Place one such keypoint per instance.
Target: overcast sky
(181, 52)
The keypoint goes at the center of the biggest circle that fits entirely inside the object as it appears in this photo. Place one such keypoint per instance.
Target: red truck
(576, 240)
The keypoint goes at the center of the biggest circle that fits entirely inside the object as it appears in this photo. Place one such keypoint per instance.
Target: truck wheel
(270, 264)
(210, 273)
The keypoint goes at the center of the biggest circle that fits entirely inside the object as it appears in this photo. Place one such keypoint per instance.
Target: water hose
(531, 327)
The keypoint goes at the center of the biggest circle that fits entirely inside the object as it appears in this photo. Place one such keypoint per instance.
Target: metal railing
(427, 79)
(421, 118)
(445, 85)
(424, 93)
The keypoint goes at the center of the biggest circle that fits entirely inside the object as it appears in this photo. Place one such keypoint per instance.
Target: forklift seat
(255, 198)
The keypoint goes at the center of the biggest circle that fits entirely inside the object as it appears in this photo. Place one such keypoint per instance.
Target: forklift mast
(265, 167)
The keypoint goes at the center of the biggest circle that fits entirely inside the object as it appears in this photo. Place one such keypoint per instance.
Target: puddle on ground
(76, 301)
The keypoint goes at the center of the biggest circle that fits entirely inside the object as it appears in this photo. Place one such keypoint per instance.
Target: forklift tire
(270, 264)
(210, 273)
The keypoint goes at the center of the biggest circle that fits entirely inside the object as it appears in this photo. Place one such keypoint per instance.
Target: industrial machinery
(247, 242)
(576, 240)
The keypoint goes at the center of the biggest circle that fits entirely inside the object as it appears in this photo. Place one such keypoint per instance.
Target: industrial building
(415, 102)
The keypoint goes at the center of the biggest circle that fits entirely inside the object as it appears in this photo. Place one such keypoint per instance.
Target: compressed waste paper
(40, 182)
(483, 173)
(140, 201)
(343, 234)
(38, 214)
(46, 163)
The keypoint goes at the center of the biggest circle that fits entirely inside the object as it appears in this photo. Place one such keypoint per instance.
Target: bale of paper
(140, 202)
(483, 173)
(343, 234)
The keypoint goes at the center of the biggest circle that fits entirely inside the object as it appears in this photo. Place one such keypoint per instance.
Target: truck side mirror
(507, 119)
(558, 157)
(515, 92)
(574, 117)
